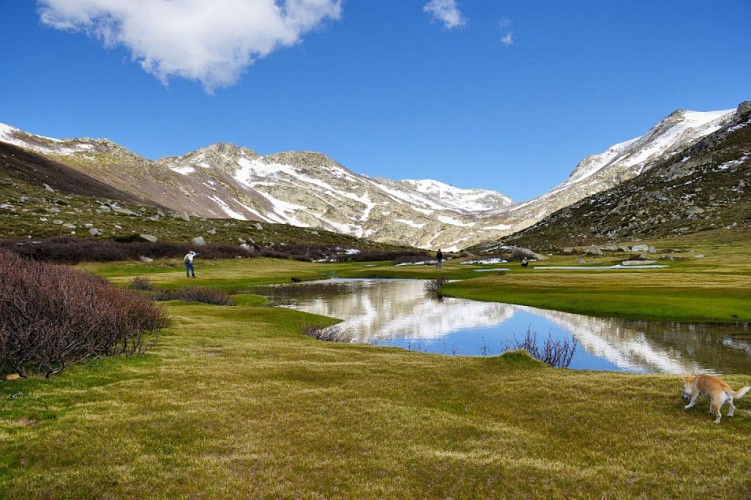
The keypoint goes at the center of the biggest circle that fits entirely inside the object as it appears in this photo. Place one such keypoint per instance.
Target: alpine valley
(691, 166)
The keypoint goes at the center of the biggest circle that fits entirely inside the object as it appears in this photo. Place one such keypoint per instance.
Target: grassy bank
(233, 402)
(704, 280)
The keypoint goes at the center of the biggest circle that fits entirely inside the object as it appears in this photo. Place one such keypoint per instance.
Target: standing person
(438, 259)
(189, 264)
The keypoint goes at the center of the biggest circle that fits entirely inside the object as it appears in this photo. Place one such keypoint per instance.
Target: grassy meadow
(234, 402)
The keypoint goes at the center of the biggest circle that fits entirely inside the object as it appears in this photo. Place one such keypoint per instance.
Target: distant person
(439, 259)
(525, 262)
(189, 264)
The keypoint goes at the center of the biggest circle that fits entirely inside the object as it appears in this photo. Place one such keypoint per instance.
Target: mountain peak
(302, 159)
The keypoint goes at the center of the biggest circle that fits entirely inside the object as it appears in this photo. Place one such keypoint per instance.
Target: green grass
(234, 402)
(241, 405)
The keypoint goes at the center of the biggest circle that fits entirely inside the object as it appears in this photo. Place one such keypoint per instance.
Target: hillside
(704, 187)
(41, 198)
(311, 190)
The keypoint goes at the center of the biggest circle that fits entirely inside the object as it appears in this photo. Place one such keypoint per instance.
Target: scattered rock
(143, 258)
(48, 188)
(123, 211)
(148, 237)
(95, 232)
(198, 241)
(592, 250)
(259, 226)
(638, 262)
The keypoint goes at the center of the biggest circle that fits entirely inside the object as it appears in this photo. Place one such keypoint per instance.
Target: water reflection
(398, 313)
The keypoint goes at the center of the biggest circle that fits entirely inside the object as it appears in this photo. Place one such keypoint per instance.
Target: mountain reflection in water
(400, 313)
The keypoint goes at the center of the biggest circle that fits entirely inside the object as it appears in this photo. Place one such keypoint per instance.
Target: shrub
(329, 333)
(196, 294)
(65, 250)
(140, 283)
(432, 286)
(556, 353)
(52, 316)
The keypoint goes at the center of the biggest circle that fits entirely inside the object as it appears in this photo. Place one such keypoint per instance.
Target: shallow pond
(400, 313)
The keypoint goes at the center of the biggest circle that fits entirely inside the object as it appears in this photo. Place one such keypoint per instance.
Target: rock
(148, 237)
(258, 226)
(48, 188)
(640, 248)
(638, 262)
(184, 216)
(143, 258)
(198, 241)
(95, 232)
(123, 211)
(568, 251)
(582, 261)
(58, 222)
(69, 225)
(592, 250)
(518, 253)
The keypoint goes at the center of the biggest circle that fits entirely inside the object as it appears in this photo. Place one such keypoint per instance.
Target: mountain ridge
(310, 189)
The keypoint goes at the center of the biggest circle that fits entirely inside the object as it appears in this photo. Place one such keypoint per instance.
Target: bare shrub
(196, 294)
(329, 333)
(432, 286)
(66, 250)
(556, 353)
(52, 316)
(401, 257)
(140, 283)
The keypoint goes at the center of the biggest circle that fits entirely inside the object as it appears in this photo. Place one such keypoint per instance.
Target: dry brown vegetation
(52, 316)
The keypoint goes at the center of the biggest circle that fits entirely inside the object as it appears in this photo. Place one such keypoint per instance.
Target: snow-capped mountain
(626, 160)
(311, 190)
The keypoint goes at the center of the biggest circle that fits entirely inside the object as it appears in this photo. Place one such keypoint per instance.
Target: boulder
(148, 237)
(198, 241)
(123, 211)
(592, 250)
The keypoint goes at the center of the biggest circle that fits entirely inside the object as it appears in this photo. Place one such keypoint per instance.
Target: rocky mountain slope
(702, 187)
(311, 190)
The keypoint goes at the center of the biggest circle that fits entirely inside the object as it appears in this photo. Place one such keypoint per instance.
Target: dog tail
(741, 393)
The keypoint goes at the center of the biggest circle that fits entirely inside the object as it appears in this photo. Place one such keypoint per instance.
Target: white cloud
(508, 39)
(211, 41)
(445, 11)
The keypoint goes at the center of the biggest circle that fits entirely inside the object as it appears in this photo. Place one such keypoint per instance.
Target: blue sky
(506, 95)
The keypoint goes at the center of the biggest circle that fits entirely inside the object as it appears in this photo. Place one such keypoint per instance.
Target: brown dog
(716, 389)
